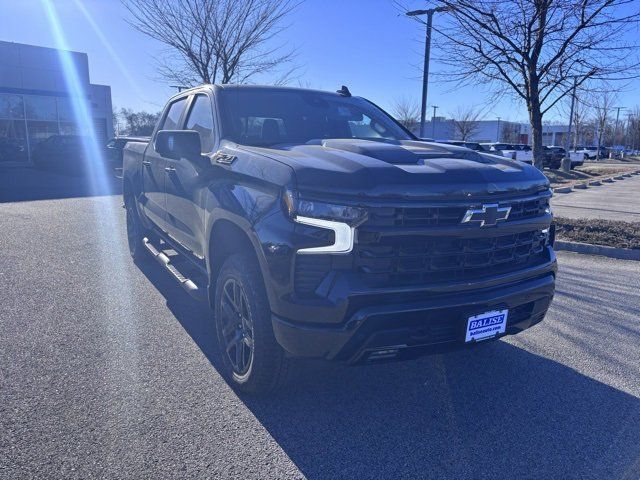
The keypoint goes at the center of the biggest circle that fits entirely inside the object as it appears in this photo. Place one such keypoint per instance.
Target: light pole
(433, 122)
(427, 53)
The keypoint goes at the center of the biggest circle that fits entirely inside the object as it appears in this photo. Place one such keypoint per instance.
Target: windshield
(263, 117)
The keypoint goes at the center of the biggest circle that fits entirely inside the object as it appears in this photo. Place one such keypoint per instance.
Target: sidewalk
(611, 201)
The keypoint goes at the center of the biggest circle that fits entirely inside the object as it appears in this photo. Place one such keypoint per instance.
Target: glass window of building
(11, 106)
(41, 108)
(13, 133)
(42, 118)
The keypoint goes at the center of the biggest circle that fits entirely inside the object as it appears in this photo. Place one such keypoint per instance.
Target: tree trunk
(535, 119)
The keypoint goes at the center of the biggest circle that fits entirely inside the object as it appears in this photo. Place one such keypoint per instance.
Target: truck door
(185, 212)
(154, 169)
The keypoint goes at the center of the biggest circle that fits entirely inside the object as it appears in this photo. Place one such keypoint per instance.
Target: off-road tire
(268, 367)
(135, 233)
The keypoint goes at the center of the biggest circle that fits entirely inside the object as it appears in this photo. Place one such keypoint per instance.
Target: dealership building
(36, 102)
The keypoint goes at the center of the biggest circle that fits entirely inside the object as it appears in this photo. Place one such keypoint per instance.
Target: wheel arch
(225, 239)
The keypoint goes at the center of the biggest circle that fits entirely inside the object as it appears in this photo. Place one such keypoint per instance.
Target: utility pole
(498, 135)
(566, 162)
(427, 54)
(615, 129)
(179, 87)
(626, 134)
(433, 123)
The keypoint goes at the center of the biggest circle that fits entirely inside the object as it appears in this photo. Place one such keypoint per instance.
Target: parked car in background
(589, 153)
(63, 153)
(552, 158)
(460, 143)
(577, 159)
(115, 148)
(510, 151)
(524, 153)
(316, 226)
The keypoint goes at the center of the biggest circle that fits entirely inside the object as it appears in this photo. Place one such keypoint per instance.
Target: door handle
(146, 163)
(169, 169)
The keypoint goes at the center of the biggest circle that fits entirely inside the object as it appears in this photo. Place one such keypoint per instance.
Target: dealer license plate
(486, 325)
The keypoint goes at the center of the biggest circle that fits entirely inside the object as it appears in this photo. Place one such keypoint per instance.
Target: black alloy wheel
(236, 327)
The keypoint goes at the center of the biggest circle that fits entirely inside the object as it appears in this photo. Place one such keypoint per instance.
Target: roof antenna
(344, 91)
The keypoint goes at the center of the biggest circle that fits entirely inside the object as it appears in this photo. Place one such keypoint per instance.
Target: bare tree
(214, 40)
(466, 121)
(407, 112)
(537, 49)
(582, 110)
(602, 105)
(633, 128)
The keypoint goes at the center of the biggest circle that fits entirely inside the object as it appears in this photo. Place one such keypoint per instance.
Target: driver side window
(200, 119)
(172, 120)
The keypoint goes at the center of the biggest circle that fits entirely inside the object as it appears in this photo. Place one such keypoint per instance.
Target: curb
(595, 183)
(590, 249)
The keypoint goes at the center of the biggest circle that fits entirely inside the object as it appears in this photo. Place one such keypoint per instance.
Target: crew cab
(315, 225)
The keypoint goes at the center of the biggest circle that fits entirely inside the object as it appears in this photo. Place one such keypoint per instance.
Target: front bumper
(412, 328)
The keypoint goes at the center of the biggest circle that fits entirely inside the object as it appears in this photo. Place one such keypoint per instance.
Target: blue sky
(364, 44)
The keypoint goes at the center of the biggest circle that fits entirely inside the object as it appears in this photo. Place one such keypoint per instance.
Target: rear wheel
(253, 360)
(135, 233)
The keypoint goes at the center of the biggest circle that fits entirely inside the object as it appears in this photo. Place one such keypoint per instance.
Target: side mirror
(178, 144)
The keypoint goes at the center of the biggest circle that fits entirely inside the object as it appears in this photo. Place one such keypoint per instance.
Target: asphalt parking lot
(609, 201)
(109, 370)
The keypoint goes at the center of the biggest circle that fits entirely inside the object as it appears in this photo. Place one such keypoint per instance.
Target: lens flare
(110, 50)
(111, 278)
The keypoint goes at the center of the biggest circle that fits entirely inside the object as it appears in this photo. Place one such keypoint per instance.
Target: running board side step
(187, 284)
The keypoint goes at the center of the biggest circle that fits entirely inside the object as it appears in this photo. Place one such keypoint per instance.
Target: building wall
(36, 103)
(485, 131)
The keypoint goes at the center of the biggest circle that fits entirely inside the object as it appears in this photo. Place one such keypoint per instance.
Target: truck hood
(402, 170)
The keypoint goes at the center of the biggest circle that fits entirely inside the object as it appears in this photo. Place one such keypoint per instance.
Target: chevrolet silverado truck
(315, 225)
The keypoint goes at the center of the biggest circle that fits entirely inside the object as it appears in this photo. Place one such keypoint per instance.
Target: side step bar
(187, 284)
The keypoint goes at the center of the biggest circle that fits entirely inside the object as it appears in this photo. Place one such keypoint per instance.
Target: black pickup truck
(315, 225)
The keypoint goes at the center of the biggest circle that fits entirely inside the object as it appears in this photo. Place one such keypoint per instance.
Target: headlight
(296, 207)
(341, 219)
(549, 235)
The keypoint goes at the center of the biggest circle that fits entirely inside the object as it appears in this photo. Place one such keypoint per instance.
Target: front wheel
(253, 360)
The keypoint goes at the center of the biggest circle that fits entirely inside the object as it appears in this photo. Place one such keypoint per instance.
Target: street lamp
(427, 53)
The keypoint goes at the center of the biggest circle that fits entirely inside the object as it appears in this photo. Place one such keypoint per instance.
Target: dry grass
(599, 232)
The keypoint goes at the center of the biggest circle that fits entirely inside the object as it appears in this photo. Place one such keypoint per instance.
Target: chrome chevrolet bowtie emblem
(487, 216)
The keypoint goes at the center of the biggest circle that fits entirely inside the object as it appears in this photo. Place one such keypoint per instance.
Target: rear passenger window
(201, 120)
(172, 120)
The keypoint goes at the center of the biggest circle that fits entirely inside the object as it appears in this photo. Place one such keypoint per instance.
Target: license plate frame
(486, 325)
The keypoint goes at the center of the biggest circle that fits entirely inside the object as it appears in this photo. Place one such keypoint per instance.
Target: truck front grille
(410, 260)
(443, 216)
